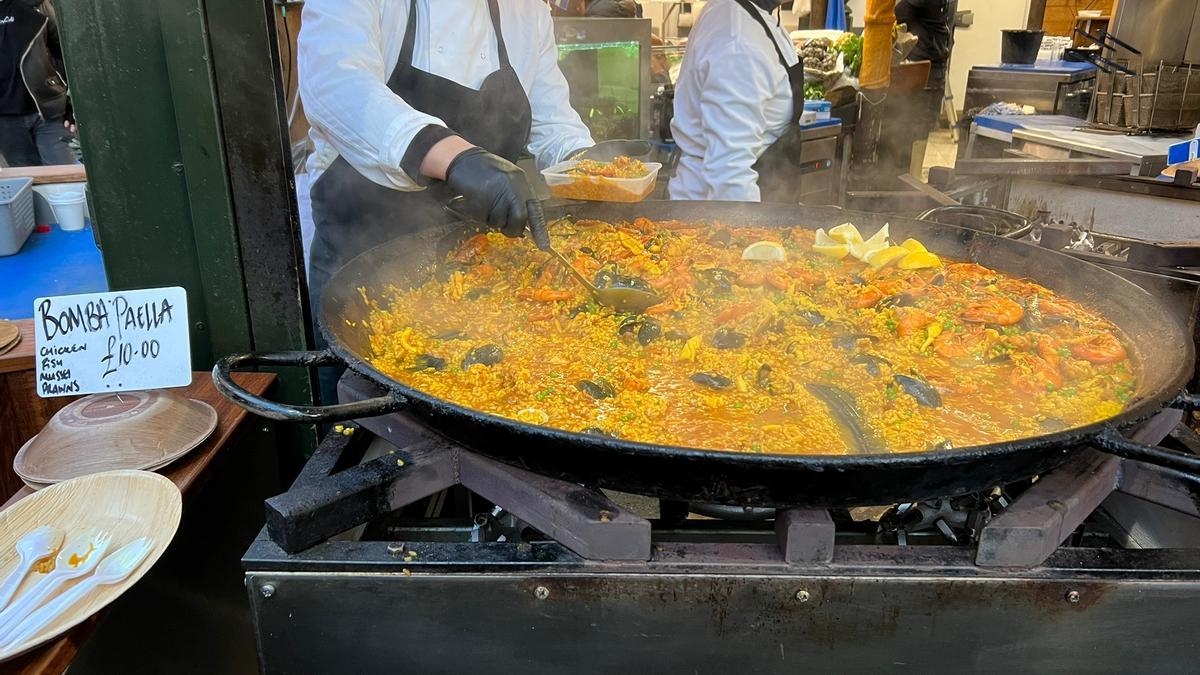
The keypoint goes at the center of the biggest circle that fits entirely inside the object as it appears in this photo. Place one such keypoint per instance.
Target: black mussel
(871, 362)
(728, 339)
(450, 335)
(486, 355)
(1053, 424)
(857, 278)
(476, 293)
(901, 300)
(447, 269)
(939, 279)
(721, 237)
(813, 317)
(763, 377)
(428, 362)
(597, 431)
(921, 390)
(609, 278)
(1032, 318)
(587, 250)
(647, 329)
(849, 341)
(629, 281)
(775, 324)
(942, 445)
(579, 309)
(1068, 320)
(844, 410)
(718, 279)
(675, 334)
(768, 381)
(712, 381)
(597, 389)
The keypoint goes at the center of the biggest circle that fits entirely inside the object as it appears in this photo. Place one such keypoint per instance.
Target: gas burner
(959, 519)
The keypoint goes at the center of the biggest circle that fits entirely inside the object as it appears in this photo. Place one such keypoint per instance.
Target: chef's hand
(494, 190)
(607, 151)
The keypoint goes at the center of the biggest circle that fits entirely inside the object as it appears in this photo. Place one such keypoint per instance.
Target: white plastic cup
(68, 210)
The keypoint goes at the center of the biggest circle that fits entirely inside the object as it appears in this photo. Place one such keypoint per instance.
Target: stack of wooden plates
(10, 336)
(127, 505)
(106, 432)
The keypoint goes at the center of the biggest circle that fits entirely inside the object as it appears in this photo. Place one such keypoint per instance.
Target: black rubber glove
(494, 190)
(607, 151)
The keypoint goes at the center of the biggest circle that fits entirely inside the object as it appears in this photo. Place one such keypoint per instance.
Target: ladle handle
(538, 229)
(284, 412)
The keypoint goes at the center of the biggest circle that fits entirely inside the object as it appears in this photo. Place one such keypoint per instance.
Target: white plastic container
(16, 213)
(599, 188)
(68, 210)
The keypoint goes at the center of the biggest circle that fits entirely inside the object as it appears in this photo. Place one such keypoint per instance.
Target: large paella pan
(776, 371)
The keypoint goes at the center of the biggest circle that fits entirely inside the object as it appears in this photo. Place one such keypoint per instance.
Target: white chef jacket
(347, 50)
(732, 100)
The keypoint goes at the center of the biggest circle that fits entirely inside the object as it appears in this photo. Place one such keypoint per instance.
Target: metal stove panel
(728, 623)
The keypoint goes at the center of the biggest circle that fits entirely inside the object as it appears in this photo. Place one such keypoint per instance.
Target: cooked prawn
(995, 310)
(1100, 349)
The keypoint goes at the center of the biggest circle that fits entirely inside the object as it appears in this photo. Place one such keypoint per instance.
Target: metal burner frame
(335, 493)
(614, 591)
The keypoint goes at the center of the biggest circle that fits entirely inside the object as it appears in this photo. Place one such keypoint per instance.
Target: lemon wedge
(878, 241)
(835, 250)
(846, 233)
(919, 260)
(824, 239)
(881, 258)
(914, 246)
(764, 250)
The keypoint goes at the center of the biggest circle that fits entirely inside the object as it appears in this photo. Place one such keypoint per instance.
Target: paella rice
(815, 353)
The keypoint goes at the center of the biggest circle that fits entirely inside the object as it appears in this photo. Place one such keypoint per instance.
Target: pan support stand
(336, 492)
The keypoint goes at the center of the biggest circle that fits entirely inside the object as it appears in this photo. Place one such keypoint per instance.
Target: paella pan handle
(284, 412)
(1112, 442)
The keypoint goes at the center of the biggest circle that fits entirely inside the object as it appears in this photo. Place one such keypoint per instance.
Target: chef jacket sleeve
(557, 130)
(737, 86)
(343, 82)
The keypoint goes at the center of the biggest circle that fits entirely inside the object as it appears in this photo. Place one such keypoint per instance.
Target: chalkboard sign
(118, 341)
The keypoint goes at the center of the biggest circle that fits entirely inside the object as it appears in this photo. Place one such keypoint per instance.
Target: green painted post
(184, 178)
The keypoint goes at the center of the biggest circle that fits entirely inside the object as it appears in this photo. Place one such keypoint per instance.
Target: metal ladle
(622, 299)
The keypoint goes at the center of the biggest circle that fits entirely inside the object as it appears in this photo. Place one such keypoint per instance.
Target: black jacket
(930, 21)
(41, 55)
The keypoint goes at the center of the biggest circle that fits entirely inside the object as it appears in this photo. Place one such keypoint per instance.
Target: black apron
(779, 166)
(352, 214)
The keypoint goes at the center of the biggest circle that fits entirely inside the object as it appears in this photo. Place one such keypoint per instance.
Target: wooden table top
(21, 356)
(44, 175)
(188, 473)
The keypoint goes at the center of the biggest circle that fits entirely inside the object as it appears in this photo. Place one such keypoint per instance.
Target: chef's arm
(343, 80)
(733, 100)
(557, 131)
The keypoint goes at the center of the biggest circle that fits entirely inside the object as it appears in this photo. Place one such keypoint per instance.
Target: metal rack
(1164, 99)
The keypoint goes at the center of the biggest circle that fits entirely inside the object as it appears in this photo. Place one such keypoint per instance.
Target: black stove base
(807, 593)
(1082, 612)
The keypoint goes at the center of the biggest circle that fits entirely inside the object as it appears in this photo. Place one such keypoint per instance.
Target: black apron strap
(795, 73)
(501, 49)
(410, 32)
(410, 37)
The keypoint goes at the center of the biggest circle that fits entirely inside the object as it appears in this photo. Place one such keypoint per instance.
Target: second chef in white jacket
(737, 106)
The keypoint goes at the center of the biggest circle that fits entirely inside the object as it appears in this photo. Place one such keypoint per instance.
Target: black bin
(1020, 46)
